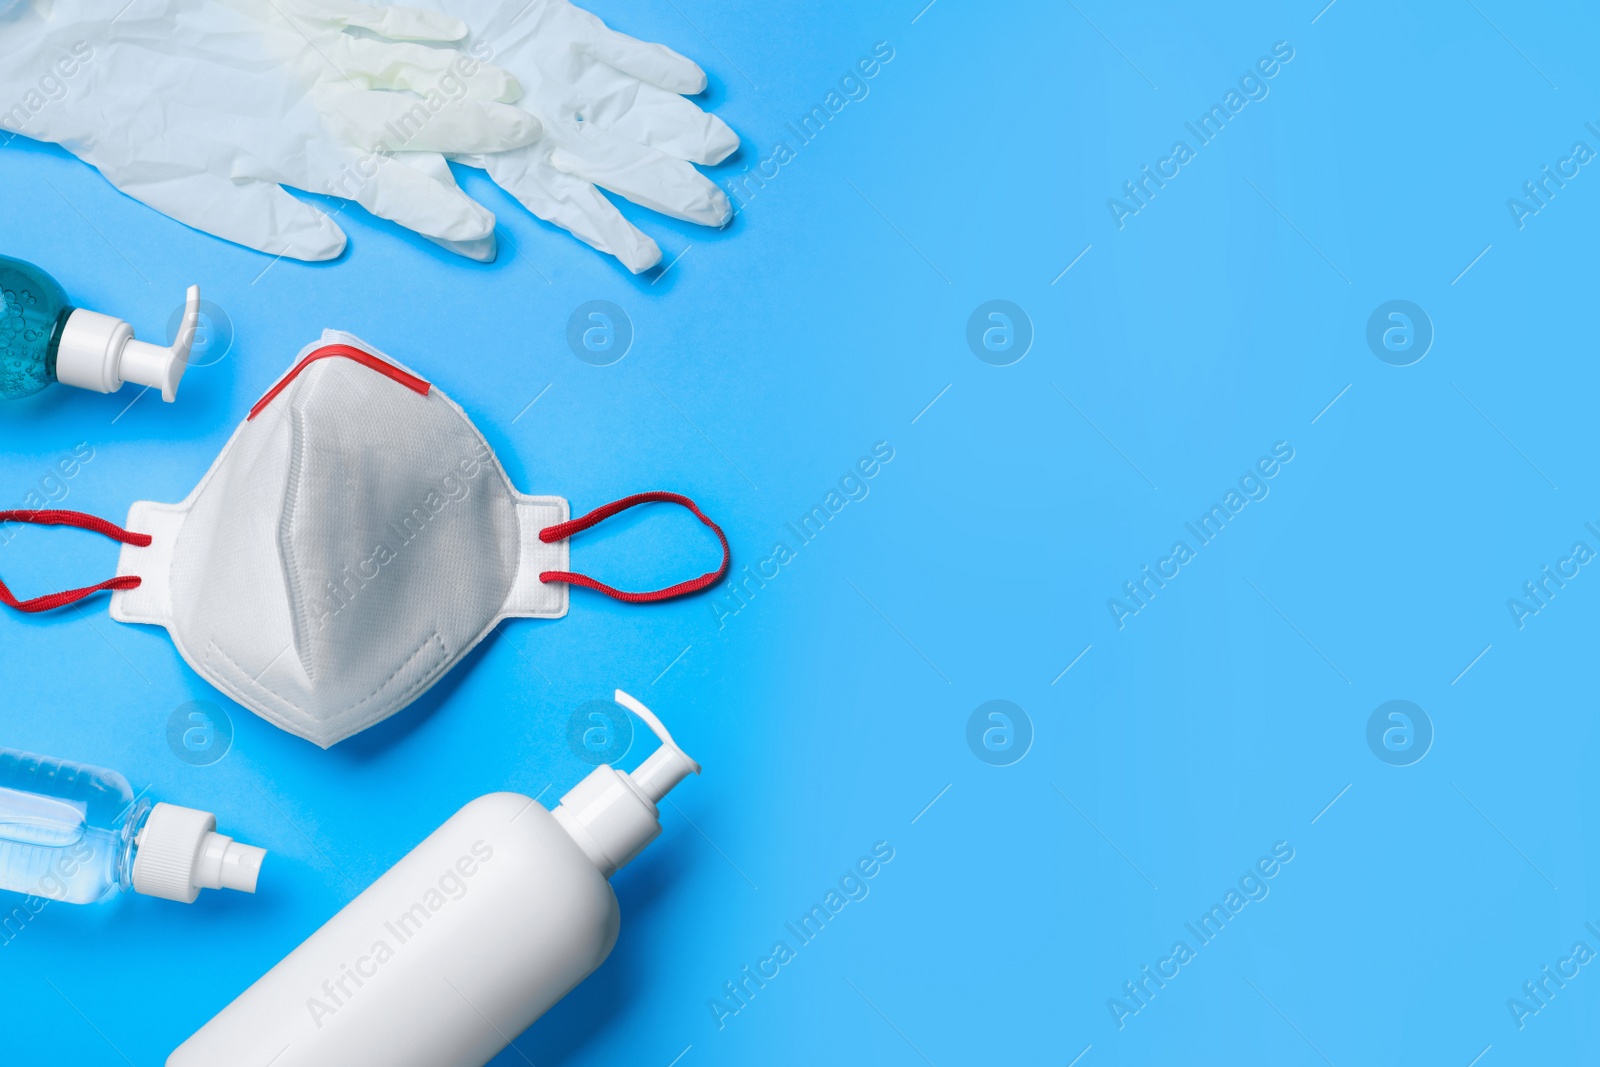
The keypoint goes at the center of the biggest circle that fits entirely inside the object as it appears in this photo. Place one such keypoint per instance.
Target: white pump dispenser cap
(612, 815)
(180, 853)
(98, 352)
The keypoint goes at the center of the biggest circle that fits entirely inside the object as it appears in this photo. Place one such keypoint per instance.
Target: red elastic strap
(82, 522)
(366, 359)
(563, 530)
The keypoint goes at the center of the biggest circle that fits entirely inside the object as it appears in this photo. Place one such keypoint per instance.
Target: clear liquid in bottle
(78, 834)
(66, 831)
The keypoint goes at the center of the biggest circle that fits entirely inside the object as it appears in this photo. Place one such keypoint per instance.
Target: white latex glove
(204, 111)
(613, 116)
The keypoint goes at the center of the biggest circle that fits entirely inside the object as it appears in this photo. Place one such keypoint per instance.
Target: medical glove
(206, 110)
(614, 116)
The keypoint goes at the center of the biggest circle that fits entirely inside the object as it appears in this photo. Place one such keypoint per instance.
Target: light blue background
(1224, 717)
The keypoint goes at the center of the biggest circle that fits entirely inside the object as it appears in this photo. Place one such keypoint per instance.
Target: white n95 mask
(354, 540)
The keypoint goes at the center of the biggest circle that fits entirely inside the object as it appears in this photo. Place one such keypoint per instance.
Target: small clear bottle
(44, 339)
(78, 834)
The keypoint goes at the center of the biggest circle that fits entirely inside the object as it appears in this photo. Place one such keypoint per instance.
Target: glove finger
(649, 178)
(653, 63)
(669, 123)
(388, 65)
(395, 122)
(256, 214)
(484, 249)
(404, 193)
(395, 23)
(573, 204)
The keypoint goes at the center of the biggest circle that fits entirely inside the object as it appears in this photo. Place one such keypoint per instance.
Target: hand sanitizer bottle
(44, 339)
(462, 944)
(78, 834)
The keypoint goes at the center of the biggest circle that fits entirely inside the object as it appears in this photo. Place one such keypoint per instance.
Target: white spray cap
(180, 853)
(98, 352)
(612, 815)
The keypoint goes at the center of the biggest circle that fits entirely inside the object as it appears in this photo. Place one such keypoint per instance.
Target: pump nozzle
(612, 815)
(180, 853)
(98, 352)
(667, 765)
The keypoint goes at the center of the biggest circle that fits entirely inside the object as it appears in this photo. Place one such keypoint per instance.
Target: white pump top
(612, 815)
(98, 352)
(180, 853)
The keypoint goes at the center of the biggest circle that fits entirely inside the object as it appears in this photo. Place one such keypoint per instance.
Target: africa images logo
(1205, 528)
(1252, 888)
(1137, 193)
(853, 886)
(451, 885)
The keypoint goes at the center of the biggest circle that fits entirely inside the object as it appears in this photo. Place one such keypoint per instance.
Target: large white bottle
(461, 945)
